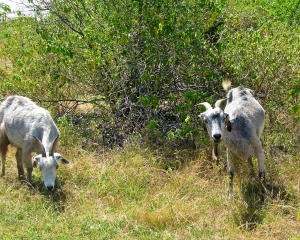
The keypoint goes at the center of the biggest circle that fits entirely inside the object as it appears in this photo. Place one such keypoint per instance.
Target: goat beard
(216, 151)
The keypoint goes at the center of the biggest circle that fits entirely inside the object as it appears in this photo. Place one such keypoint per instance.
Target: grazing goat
(239, 127)
(30, 128)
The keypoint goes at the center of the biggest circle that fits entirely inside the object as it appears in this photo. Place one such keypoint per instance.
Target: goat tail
(226, 85)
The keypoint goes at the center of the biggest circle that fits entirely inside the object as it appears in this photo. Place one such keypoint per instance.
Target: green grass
(128, 194)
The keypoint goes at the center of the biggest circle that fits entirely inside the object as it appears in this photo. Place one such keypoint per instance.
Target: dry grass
(127, 194)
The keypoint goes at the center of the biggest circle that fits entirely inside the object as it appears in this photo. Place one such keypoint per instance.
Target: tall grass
(129, 194)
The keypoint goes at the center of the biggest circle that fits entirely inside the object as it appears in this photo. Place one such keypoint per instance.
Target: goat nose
(50, 188)
(217, 136)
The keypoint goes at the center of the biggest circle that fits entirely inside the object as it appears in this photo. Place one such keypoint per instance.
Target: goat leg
(20, 164)
(262, 179)
(230, 185)
(29, 174)
(4, 142)
(230, 166)
(3, 167)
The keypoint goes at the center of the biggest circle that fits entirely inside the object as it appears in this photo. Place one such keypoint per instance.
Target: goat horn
(52, 146)
(42, 146)
(205, 104)
(219, 102)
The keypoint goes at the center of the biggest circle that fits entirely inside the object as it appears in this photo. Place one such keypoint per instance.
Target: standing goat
(30, 128)
(239, 127)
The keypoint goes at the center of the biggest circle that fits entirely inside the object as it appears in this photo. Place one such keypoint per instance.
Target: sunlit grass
(130, 194)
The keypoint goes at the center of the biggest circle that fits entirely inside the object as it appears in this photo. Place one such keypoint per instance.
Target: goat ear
(36, 161)
(41, 146)
(228, 126)
(202, 115)
(62, 160)
(228, 123)
(203, 121)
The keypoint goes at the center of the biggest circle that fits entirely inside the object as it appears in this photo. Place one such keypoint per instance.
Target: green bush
(145, 62)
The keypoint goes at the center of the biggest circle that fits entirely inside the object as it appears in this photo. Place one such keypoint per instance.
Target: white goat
(30, 128)
(239, 127)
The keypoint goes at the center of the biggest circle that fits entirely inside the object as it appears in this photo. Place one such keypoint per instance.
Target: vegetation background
(121, 79)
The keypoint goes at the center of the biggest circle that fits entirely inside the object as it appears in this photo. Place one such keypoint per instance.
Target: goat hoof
(22, 178)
